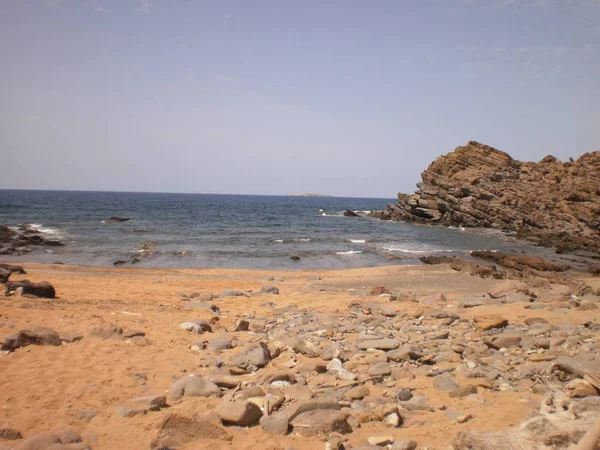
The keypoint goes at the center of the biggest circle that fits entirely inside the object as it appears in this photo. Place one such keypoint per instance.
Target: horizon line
(296, 195)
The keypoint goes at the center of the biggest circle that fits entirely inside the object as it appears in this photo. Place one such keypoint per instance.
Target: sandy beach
(80, 385)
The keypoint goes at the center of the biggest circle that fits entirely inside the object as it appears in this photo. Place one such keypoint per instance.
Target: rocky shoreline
(552, 203)
(22, 240)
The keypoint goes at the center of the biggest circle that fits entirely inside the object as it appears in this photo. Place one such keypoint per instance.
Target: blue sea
(234, 231)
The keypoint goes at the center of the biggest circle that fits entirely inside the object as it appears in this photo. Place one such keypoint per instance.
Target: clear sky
(343, 97)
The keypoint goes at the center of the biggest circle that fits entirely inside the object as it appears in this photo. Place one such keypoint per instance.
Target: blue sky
(342, 97)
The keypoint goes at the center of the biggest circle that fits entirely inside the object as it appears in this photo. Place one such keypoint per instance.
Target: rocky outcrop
(550, 202)
(23, 240)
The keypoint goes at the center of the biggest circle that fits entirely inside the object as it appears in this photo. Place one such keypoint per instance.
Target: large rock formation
(554, 203)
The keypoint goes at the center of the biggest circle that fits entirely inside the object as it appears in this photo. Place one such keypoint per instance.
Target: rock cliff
(550, 202)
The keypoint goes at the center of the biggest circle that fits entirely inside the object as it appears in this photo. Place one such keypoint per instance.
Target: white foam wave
(332, 215)
(42, 229)
(404, 249)
(302, 240)
(279, 240)
(357, 241)
(349, 252)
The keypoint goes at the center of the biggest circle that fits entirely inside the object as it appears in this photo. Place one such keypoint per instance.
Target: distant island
(309, 195)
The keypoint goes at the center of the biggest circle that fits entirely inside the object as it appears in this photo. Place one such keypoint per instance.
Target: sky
(340, 97)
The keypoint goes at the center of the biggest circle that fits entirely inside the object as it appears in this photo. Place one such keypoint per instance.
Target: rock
(130, 411)
(388, 311)
(194, 386)
(444, 382)
(277, 424)
(175, 430)
(320, 422)
(503, 340)
(111, 331)
(295, 258)
(197, 326)
(307, 349)
(357, 392)
(379, 369)
(241, 325)
(39, 442)
(579, 388)
(4, 276)
(69, 338)
(297, 408)
(220, 343)
(9, 434)
(330, 351)
(381, 441)
(240, 413)
(484, 323)
(551, 203)
(39, 336)
(379, 344)
(254, 357)
(117, 219)
(463, 391)
(151, 402)
(404, 445)
(379, 290)
(519, 262)
(13, 269)
(269, 290)
(230, 293)
(42, 289)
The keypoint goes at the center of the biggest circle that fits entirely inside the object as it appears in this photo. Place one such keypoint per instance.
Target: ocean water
(235, 231)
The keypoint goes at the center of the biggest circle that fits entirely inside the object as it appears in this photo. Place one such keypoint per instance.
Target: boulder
(240, 413)
(42, 289)
(38, 336)
(176, 430)
(276, 424)
(193, 386)
(252, 358)
(320, 422)
(269, 290)
(196, 326)
(230, 293)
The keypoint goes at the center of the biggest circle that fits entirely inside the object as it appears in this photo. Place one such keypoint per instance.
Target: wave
(349, 252)
(357, 241)
(44, 230)
(403, 249)
(281, 241)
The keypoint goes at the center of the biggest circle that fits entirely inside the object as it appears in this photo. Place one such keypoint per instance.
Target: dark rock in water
(551, 203)
(349, 213)
(119, 262)
(6, 234)
(295, 258)
(42, 289)
(13, 269)
(116, 219)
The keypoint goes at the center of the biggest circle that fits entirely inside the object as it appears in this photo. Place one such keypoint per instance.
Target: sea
(231, 231)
